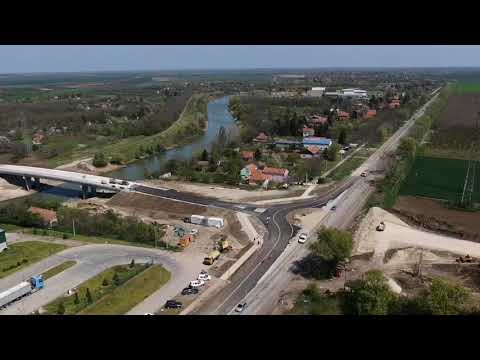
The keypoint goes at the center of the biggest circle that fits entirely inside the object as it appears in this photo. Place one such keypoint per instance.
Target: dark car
(334, 208)
(173, 304)
(189, 291)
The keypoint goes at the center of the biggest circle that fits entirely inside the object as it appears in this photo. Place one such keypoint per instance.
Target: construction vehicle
(23, 289)
(211, 258)
(224, 246)
(185, 241)
(381, 227)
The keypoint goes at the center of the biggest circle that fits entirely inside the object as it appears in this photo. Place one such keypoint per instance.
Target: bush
(61, 309)
(105, 282)
(65, 236)
(99, 160)
(44, 232)
(132, 263)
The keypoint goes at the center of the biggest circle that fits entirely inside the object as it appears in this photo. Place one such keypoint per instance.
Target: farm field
(440, 179)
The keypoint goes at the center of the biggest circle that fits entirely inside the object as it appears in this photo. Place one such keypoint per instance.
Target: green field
(467, 87)
(23, 254)
(441, 179)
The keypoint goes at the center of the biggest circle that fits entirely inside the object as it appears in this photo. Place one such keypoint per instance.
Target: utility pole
(73, 227)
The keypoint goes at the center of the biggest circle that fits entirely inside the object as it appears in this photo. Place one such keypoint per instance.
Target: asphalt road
(264, 296)
(93, 259)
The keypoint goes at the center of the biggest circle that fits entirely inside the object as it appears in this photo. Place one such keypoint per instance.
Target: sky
(73, 58)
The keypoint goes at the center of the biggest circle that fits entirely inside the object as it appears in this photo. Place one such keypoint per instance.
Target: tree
(204, 155)
(116, 279)
(171, 166)
(116, 159)
(443, 298)
(370, 296)
(89, 296)
(99, 160)
(408, 147)
(332, 245)
(132, 263)
(258, 154)
(342, 137)
(61, 309)
(76, 300)
(332, 152)
(105, 282)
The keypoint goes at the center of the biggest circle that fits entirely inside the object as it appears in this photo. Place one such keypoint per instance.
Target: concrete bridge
(89, 183)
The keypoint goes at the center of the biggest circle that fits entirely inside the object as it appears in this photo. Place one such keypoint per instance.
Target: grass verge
(133, 292)
(58, 269)
(98, 287)
(346, 168)
(23, 254)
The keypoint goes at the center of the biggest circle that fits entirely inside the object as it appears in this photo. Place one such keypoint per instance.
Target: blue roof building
(321, 142)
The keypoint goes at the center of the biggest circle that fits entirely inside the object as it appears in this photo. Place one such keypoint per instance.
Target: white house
(316, 92)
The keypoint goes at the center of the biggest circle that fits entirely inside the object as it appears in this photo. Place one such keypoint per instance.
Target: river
(218, 116)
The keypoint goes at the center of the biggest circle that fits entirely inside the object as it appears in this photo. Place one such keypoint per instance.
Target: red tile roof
(251, 167)
(318, 119)
(262, 136)
(257, 176)
(313, 149)
(343, 114)
(370, 114)
(274, 171)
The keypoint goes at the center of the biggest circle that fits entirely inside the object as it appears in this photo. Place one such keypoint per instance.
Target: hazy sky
(23, 58)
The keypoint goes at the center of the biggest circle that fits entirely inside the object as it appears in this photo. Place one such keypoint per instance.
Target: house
(316, 92)
(370, 114)
(313, 150)
(306, 131)
(48, 217)
(261, 137)
(276, 174)
(256, 176)
(342, 115)
(38, 139)
(317, 120)
(246, 172)
(395, 103)
(321, 142)
(247, 155)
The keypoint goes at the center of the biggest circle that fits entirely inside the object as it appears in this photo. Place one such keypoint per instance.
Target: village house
(37, 139)
(321, 142)
(247, 155)
(317, 120)
(276, 174)
(254, 175)
(306, 131)
(395, 103)
(313, 151)
(342, 115)
(262, 137)
(370, 114)
(48, 217)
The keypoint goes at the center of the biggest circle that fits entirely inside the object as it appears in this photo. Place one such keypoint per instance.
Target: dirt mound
(409, 256)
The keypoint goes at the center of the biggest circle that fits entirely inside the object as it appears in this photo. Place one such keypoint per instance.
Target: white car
(302, 238)
(193, 232)
(148, 314)
(363, 174)
(204, 277)
(240, 307)
(196, 283)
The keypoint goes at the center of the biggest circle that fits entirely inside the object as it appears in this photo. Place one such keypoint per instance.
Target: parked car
(148, 314)
(363, 174)
(197, 283)
(333, 208)
(240, 307)
(302, 238)
(193, 232)
(204, 272)
(204, 277)
(173, 304)
(190, 291)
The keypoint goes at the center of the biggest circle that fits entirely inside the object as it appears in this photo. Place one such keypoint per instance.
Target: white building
(316, 92)
(349, 93)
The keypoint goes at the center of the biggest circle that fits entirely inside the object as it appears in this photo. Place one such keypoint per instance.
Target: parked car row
(193, 288)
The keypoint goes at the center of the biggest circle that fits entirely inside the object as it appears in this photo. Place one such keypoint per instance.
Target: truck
(224, 246)
(3, 240)
(204, 220)
(210, 259)
(23, 289)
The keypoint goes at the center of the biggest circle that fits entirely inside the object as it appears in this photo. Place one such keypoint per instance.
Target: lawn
(346, 168)
(440, 179)
(133, 292)
(99, 286)
(467, 87)
(23, 254)
(10, 227)
(58, 269)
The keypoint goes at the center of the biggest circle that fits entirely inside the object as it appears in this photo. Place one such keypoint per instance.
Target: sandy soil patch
(9, 191)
